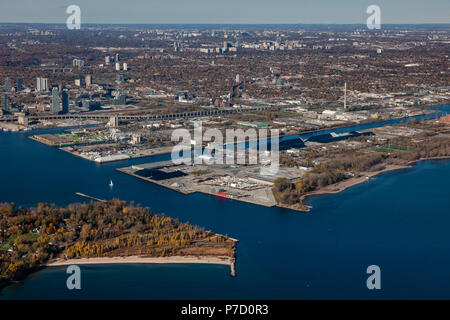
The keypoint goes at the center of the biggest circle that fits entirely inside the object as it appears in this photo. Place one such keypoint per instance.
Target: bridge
(154, 117)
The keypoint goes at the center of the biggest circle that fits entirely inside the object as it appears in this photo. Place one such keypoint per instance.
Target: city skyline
(230, 12)
(264, 151)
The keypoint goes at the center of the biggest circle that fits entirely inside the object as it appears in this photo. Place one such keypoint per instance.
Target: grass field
(393, 148)
(12, 239)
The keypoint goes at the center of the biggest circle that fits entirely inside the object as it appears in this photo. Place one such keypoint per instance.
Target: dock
(89, 197)
(187, 185)
(233, 268)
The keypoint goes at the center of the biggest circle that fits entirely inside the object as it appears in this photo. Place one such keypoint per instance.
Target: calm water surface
(399, 221)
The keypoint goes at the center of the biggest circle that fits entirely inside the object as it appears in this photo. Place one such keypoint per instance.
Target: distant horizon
(315, 12)
(233, 24)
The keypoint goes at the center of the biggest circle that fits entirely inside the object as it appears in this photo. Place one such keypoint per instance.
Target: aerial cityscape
(224, 161)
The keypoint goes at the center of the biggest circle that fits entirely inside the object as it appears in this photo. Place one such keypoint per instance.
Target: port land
(230, 182)
(326, 164)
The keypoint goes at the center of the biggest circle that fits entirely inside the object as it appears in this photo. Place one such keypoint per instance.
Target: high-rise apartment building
(5, 102)
(88, 80)
(78, 63)
(7, 84)
(55, 100)
(19, 84)
(41, 84)
(65, 101)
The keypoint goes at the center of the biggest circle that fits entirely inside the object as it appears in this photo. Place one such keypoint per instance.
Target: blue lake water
(399, 221)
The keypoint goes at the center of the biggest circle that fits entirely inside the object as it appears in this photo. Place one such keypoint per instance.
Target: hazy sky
(226, 11)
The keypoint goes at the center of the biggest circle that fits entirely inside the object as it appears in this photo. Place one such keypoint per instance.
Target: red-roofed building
(445, 119)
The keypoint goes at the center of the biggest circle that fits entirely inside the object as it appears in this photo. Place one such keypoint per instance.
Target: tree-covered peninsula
(31, 237)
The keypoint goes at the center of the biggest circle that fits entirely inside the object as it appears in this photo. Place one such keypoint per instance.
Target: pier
(233, 268)
(89, 197)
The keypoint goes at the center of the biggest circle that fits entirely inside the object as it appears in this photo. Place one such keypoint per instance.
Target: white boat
(111, 184)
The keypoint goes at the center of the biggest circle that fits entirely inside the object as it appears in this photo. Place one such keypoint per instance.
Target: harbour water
(399, 221)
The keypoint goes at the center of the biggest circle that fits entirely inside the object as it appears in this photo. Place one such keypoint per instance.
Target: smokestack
(345, 96)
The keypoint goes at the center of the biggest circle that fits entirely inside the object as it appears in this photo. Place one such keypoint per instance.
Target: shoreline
(343, 185)
(206, 260)
(330, 189)
(217, 260)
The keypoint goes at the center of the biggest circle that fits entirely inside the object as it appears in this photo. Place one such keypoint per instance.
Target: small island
(101, 232)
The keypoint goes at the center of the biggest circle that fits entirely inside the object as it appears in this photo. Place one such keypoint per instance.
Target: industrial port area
(374, 151)
(322, 91)
(116, 141)
(243, 183)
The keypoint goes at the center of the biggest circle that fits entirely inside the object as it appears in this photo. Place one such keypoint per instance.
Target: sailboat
(111, 184)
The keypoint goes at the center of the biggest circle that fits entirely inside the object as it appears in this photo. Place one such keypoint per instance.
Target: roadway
(155, 117)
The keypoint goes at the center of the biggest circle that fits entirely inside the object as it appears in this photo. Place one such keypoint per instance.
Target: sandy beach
(135, 259)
